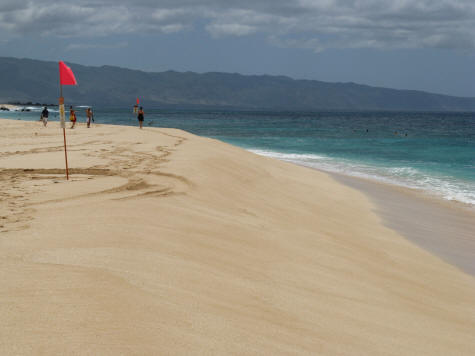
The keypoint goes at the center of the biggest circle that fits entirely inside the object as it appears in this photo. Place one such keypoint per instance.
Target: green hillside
(37, 81)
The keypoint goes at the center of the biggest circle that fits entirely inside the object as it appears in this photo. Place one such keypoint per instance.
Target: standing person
(141, 117)
(72, 117)
(44, 116)
(135, 108)
(89, 116)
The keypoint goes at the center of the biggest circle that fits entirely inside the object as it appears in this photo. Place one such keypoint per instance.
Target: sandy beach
(166, 243)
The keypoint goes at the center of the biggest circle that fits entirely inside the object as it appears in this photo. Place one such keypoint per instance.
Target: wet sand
(445, 228)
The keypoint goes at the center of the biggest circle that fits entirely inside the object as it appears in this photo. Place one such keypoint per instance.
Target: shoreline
(442, 227)
(167, 242)
(436, 195)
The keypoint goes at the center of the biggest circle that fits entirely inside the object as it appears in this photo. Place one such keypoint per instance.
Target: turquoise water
(434, 152)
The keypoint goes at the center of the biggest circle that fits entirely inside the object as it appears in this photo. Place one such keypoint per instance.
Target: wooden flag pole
(65, 154)
(66, 77)
(61, 115)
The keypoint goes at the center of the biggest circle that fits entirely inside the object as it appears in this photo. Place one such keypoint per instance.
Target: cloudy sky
(408, 44)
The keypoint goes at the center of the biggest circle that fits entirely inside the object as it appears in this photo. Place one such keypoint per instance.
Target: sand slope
(168, 243)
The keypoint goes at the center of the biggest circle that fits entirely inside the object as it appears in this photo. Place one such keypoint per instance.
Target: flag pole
(61, 115)
(66, 77)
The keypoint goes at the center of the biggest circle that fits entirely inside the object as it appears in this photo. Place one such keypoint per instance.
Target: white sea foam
(443, 186)
(289, 156)
(33, 109)
(30, 108)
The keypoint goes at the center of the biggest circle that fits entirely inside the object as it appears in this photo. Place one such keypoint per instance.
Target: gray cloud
(89, 45)
(311, 24)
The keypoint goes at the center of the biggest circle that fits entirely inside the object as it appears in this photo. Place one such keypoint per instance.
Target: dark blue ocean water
(434, 152)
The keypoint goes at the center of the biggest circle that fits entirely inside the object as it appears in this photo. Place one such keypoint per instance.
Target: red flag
(66, 75)
(137, 101)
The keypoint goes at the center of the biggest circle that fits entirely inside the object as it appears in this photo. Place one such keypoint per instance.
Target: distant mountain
(37, 81)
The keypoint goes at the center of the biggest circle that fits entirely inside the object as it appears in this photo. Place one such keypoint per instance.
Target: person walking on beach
(72, 117)
(44, 116)
(141, 117)
(90, 116)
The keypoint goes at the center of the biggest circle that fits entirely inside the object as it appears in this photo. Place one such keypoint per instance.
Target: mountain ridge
(24, 79)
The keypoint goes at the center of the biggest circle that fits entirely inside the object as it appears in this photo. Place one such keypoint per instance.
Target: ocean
(432, 152)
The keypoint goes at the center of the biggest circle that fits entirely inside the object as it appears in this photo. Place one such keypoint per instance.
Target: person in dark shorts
(141, 117)
(44, 116)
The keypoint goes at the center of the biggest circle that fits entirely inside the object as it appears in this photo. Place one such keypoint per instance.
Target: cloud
(229, 29)
(89, 45)
(310, 24)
